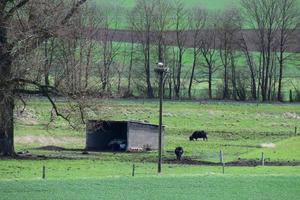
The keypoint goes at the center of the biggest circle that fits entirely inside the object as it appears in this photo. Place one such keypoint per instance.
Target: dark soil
(239, 163)
(51, 148)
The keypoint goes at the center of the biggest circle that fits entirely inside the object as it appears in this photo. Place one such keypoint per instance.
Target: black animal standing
(178, 152)
(198, 134)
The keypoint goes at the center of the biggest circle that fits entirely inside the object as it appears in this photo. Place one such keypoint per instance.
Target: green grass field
(242, 130)
(99, 168)
(197, 187)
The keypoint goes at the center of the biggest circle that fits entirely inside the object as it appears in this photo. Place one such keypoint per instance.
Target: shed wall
(142, 136)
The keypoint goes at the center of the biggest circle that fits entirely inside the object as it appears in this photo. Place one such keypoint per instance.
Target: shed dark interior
(107, 136)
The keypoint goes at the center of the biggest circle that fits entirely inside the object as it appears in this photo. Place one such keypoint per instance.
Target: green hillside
(210, 4)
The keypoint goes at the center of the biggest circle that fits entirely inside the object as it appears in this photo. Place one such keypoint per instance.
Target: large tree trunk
(233, 78)
(6, 95)
(192, 74)
(6, 125)
(150, 93)
(177, 86)
(6, 106)
(279, 93)
(210, 81)
(130, 68)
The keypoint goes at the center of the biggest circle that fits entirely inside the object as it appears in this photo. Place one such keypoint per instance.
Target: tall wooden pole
(160, 70)
(160, 122)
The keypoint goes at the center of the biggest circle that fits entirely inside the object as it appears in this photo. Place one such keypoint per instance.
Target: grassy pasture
(204, 187)
(240, 130)
(281, 151)
(99, 168)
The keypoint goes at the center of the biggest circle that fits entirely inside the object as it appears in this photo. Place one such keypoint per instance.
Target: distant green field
(211, 4)
(197, 187)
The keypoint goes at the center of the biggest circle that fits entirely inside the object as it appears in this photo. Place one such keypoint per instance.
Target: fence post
(44, 172)
(222, 161)
(291, 96)
(133, 170)
(262, 159)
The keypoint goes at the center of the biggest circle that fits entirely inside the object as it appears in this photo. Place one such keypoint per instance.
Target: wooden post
(295, 130)
(133, 170)
(221, 157)
(160, 122)
(262, 159)
(44, 172)
(222, 161)
(161, 71)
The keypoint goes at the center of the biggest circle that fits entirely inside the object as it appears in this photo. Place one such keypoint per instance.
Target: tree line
(219, 61)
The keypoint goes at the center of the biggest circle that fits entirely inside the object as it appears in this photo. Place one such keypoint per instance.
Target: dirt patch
(268, 145)
(48, 140)
(254, 163)
(239, 163)
(27, 117)
(51, 148)
(189, 161)
(79, 154)
(291, 115)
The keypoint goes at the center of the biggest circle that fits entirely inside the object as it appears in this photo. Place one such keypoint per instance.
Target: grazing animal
(198, 134)
(178, 152)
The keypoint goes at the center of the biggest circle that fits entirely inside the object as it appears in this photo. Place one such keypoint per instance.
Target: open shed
(121, 136)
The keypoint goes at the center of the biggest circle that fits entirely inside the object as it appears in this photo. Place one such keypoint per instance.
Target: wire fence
(217, 162)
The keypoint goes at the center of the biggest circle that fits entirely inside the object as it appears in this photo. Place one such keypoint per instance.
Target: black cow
(198, 134)
(178, 152)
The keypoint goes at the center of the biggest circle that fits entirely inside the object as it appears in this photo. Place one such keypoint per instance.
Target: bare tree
(141, 19)
(208, 51)
(263, 15)
(250, 62)
(197, 20)
(228, 27)
(288, 22)
(107, 24)
(180, 21)
(162, 11)
(131, 54)
(20, 32)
